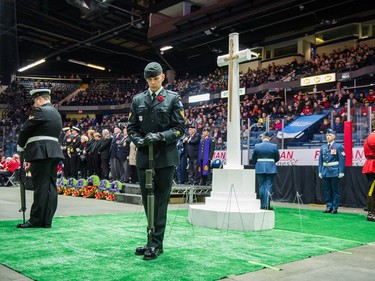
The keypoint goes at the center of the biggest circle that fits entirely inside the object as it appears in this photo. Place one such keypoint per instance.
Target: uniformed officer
(191, 143)
(265, 155)
(74, 151)
(66, 141)
(331, 169)
(157, 117)
(39, 141)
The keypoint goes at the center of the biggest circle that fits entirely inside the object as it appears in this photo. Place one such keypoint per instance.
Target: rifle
(22, 179)
(150, 195)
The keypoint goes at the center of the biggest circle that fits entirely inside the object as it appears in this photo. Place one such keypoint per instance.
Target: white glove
(320, 175)
(341, 175)
(20, 149)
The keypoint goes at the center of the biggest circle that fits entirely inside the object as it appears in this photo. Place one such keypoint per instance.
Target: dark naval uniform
(163, 116)
(331, 168)
(74, 156)
(265, 156)
(39, 137)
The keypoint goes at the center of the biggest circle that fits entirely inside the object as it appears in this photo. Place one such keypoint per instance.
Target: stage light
(96, 66)
(87, 64)
(31, 65)
(165, 48)
(77, 62)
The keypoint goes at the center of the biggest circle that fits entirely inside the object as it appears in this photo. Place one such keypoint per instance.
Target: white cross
(233, 59)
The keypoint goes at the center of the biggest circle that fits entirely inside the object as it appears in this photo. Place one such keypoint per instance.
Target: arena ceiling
(123, 36)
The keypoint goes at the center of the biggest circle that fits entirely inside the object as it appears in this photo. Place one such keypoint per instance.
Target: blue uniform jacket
(265, 156)
(331, 160)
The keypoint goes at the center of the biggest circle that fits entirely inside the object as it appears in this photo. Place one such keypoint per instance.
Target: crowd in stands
(255, 109)
(108, 93)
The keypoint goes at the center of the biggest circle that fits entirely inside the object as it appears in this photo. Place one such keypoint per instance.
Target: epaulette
(171, 92)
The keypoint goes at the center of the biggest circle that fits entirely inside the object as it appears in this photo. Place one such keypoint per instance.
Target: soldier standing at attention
(74, 148)
(39, 141)
(157, 117)
(331, 169)
(65, 149)
(265, 156)
(191, 143)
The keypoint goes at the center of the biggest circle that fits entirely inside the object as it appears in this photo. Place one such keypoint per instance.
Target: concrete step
(128, 198)
(132, 188)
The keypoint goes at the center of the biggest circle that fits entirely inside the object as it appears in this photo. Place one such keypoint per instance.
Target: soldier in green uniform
(156, 116)
(39, 141)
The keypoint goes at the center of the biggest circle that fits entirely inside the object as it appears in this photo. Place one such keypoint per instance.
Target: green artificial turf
(101, 247)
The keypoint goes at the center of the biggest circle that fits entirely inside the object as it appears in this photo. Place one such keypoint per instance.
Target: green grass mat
(102, 247)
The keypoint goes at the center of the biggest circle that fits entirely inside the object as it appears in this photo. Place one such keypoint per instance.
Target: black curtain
(305, 180)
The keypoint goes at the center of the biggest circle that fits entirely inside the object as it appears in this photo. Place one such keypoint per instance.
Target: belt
(327, 164)
(266, 160)
(38, 138)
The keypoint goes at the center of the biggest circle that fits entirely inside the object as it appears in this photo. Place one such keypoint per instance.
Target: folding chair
(13, 179)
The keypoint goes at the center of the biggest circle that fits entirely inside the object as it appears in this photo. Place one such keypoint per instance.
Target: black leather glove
(154, 137)
(140, 143)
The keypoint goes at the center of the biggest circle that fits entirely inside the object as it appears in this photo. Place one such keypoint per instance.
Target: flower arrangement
(72, 182)
(115, 186)
(68, 191)
(99, 195)
(79, 187)
(89, 191)
(102, 189)
(93, 180)
(110, 196)
(77, 192)
(61, 185)
(93, 187)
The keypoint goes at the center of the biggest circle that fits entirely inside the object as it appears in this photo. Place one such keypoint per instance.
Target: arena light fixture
(87, 64)
(31, 65)
(165, 48)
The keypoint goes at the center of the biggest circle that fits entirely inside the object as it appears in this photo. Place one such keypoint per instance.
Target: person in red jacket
(369, 170)
(11, 166)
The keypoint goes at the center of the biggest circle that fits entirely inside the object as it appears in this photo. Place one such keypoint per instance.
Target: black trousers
(44, 174)
(163, 179)
(105, 168)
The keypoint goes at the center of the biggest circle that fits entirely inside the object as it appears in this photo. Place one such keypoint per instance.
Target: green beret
(153, 69)
(38, 92)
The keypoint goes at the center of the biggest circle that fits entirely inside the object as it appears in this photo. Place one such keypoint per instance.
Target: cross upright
(233, 59)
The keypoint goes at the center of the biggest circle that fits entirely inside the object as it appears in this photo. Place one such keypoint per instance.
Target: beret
(153, 69)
